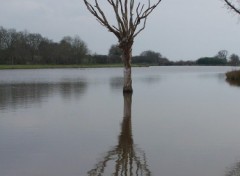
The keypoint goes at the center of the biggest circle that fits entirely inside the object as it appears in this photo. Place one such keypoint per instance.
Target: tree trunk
(127, 58)
(127, 108)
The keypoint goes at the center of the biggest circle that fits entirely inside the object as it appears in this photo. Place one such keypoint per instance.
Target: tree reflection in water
(125, 158)
(16, 95)
(233, 83)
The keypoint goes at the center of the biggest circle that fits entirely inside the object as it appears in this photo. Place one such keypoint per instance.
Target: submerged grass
(233, 75)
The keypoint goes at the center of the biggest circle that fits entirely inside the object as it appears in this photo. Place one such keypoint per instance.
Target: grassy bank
(2, 67)
(233, 75)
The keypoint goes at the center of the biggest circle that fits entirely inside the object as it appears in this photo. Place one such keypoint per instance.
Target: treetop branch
(127, 21)
(232, 6)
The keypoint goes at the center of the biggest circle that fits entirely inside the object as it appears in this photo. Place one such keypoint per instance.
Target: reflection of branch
(126, 155)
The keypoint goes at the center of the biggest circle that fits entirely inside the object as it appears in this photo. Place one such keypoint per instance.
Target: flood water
(180, 121)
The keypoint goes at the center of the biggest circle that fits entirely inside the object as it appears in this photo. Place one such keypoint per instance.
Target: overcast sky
(178, 29)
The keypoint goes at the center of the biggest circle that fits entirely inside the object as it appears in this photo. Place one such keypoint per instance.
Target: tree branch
(142, 15)
(118, 17)
(127, 21)
(99, 14)
(231, 6)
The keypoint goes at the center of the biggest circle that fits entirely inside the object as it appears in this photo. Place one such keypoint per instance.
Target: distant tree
(181, 63)
(115, 51)
(72, 50)
(65, 51)
(152, 56)
(11, 42)
(33, 42)
(3, 33)
(129, 15)
(150, 53)
(19, 51)
(80, 50)
(1, 47)
(233, 5)
(100, 59)
(114, 54)
(48, 50)
(164, 61)
(234, 60)
(211, 61)
(222, 54)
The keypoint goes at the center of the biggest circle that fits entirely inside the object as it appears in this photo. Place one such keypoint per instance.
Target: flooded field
(180, 121)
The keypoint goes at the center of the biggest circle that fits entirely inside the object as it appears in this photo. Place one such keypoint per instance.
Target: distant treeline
(221, 58)
(32, 48)
(28, 48)
(154, 58)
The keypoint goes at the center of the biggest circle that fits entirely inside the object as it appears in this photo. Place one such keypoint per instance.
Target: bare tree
(233, 6)
(131, 19)
(222, 54)
(234, 60)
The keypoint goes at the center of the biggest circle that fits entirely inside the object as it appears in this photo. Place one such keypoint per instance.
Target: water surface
(181, 121)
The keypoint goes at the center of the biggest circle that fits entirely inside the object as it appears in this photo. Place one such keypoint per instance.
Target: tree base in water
(127, 90)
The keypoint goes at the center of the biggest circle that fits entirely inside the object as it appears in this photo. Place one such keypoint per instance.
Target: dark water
(180, 121)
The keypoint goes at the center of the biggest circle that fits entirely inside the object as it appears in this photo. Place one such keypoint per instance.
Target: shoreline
(118, 65)
(9, 67)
